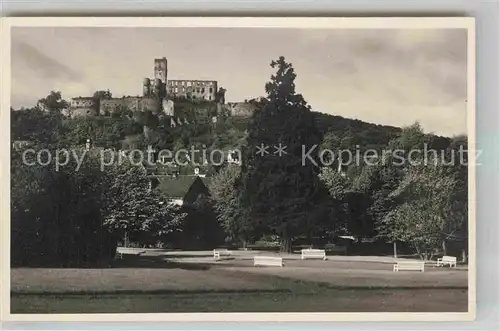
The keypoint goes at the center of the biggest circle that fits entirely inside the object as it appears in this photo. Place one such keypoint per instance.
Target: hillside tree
(53, 102)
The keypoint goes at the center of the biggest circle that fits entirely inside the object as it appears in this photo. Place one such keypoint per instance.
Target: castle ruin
(158, 95)
(194, 89)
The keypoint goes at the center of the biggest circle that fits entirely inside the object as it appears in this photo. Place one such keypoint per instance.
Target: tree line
(423, 206)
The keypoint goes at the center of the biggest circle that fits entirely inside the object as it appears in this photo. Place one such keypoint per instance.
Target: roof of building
(176, 187)
(169, 169)
(206, 181)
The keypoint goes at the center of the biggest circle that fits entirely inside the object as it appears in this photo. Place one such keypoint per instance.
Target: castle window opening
(203, 90)
(210, 90)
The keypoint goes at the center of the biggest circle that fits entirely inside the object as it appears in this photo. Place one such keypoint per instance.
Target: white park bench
(447, 260)
(120, 251)
(313, 254)
(268, 261)
(219, 253)
(409, 265)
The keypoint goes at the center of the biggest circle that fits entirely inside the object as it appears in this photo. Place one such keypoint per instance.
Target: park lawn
(326, 300)
(212, 290)
(43, 281)
(153, 284)
(367, 275)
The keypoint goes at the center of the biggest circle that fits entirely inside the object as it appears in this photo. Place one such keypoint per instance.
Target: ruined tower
(146, 87)
(160, 78)
(158, 89)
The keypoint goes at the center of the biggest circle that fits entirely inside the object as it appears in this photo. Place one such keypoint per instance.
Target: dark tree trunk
(286, 245)
(420, 253)
(309, 239)
(126, 240)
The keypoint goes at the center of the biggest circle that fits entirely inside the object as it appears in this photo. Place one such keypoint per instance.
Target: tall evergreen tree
(283, 194)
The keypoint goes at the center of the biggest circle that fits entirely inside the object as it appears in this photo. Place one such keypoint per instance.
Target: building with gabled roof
(181, 190)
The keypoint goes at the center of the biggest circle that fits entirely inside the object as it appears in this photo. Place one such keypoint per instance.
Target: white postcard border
(240, 22)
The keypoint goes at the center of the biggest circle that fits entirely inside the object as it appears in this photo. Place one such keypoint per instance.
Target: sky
(392, 77)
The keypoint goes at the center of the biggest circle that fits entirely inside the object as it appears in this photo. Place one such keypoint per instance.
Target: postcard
(238, 169)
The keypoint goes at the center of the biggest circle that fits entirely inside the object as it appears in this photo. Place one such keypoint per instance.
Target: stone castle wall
(109, 106)
(154, 88)
(241, 109)
(193, 89)
(83, 106)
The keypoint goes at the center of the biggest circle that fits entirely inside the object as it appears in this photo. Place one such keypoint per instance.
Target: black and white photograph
(241, 166)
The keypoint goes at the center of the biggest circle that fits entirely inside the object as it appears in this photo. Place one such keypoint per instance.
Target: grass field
(154, 284)
(354, 300)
